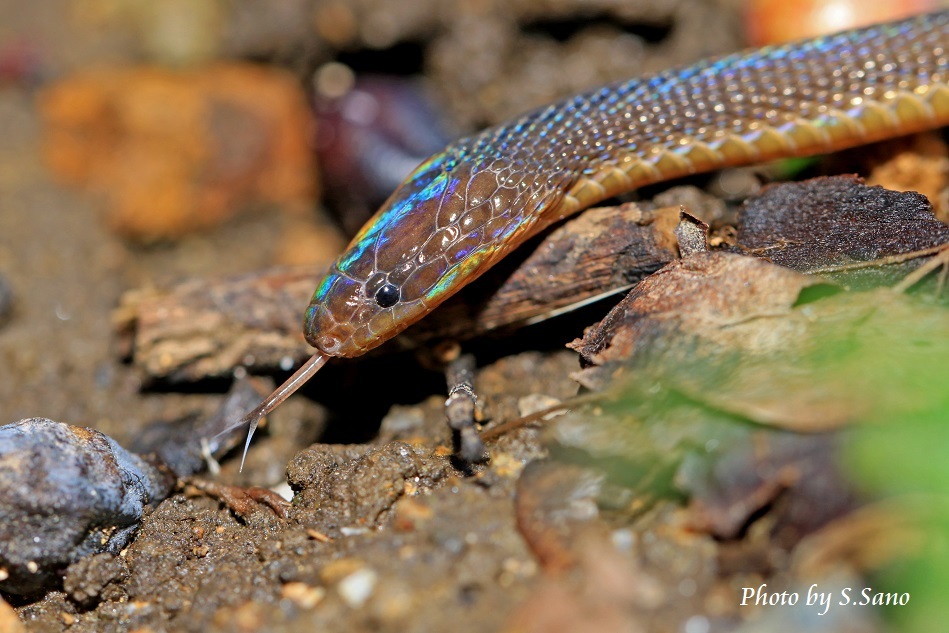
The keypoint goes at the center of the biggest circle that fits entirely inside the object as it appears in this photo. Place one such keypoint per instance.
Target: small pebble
(356, 588)
(66, 492)
(303, 595)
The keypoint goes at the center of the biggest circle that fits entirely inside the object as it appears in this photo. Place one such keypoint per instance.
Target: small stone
(356, 588)
(303, 595)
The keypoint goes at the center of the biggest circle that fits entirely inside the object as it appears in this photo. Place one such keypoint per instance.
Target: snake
(468, 206)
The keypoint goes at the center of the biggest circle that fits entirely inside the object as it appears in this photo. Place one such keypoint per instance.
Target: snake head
(443, 227)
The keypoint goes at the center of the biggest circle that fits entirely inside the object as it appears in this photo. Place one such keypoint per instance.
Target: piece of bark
(692, 234)
(835, 222)
(205, 328)
(604, 251)
(919, 162)
(718, 296)
(820, 223)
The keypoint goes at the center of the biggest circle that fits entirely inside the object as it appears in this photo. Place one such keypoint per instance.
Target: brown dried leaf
(733, 333)
(756, 470)
(730, 301)
(835, 222)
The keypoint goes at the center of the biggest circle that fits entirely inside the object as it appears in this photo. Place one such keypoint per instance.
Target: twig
(883, 261)
(942, 259)
(576, 401)
(462, 406)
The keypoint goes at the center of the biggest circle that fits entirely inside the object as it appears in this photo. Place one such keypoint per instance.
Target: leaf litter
(772, 402)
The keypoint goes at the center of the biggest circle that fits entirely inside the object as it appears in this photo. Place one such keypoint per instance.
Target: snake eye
(387, 296)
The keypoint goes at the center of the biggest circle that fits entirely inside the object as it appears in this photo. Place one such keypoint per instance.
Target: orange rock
(178, 151)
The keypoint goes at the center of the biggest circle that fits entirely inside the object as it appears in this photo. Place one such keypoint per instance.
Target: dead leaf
(825, 223)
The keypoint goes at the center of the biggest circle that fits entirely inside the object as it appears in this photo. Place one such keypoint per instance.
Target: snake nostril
(387, 296)
(328, 343)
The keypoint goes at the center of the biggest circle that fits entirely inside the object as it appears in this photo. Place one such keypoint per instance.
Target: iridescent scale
(796, 99)
(468, 206)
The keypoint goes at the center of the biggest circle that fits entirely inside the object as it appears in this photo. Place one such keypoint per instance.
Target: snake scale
(466, 207)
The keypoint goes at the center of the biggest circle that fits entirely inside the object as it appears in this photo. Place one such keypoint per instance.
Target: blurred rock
(66, 492)
(373, 131)
(180, 31)
(179, 151)
(491, 59)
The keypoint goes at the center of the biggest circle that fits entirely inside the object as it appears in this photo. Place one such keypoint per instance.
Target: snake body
(463, 209)
(466, 207)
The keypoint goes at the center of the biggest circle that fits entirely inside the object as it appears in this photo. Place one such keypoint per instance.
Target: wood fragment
(692, 234)
(461, 408)
(206, 328)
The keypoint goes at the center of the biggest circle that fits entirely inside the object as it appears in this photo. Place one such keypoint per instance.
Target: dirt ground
(385, 532)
